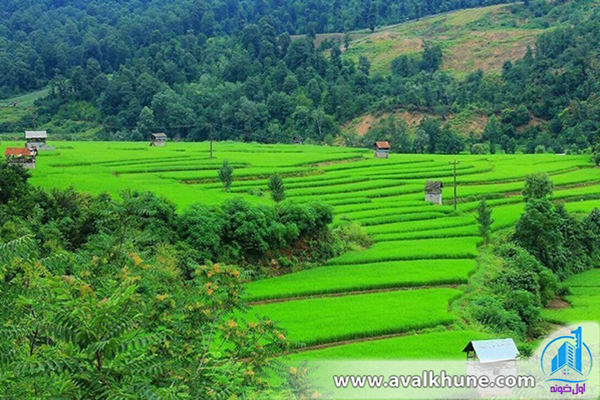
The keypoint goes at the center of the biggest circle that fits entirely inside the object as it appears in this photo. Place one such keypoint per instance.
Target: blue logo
(567, 359)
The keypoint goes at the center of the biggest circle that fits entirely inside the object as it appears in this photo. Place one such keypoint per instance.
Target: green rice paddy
(392, 300)
(583, 304)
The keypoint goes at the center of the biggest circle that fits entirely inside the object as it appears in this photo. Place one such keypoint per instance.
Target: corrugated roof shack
(23, 157)
(36, 139)
(492, 358)
(158, 139)
(433, 192)
(382, 150)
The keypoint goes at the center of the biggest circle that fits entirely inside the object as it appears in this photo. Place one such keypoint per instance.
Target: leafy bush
(238, 231)
(492, 313)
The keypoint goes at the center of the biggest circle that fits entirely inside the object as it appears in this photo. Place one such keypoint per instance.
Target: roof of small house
(433, 187)
(383, 145)
(17, 151)
(493, 350)
(36, 134)
(159, 135)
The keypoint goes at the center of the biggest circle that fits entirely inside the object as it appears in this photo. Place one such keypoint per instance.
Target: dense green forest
(231, 70)
(52, 36)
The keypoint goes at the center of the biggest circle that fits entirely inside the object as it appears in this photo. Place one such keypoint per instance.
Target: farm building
(382, 149)
(492, 358)
(433, 192)
(23, 157)
(36, 139)
(158, 139)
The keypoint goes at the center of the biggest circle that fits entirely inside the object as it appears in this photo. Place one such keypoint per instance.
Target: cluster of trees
(237, 232)
(547, 246)
(105, 298)
(430, 136)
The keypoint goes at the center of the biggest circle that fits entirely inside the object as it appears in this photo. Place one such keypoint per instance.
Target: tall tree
(277, 188)
(537, 186)
(484, 217)
(225, 175)
(373, 16)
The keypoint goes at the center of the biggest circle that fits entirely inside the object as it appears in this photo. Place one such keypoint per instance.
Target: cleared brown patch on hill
(464, 125)
(488, 51)
(363, 125)
(412, 118)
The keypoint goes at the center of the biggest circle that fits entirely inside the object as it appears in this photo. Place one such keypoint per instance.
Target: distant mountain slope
(479, 38)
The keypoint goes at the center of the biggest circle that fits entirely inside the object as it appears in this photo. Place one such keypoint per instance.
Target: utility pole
(210, 134)
(454, 163)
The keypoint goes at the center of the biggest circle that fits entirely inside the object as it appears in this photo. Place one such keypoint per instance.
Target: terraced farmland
(583, 302)
(392, 300)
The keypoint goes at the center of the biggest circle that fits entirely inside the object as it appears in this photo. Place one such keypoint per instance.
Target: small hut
(433, 192)
(492, 358)
(492, 351)
(158, 139)
(23, 157)
(36, 139)
(382, 149)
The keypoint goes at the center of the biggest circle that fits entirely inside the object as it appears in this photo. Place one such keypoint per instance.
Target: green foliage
(538, 186)
(239, 232)
(225, 175)
(277, 188)
(479, 148)
(124, 307)
(538, 232)
(484, 217)
(13, 181)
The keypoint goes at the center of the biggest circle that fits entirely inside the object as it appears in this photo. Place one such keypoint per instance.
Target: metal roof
(159, 136)
(17, 152)
(382, 145)
(493, 350)
(433, 187)
(36, 134)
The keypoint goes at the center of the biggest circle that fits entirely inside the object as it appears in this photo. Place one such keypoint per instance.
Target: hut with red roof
(382, 149)
(23, 157)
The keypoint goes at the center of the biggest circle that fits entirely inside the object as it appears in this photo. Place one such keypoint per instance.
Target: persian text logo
(567, 359)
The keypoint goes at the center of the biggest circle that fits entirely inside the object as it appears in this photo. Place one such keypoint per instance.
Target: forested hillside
(52, 36)
(231, 70)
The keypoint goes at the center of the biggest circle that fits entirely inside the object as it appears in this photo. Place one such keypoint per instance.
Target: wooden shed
(382, 149)
(36, 139)
(433, 192)
(158, 139)
(23, 157)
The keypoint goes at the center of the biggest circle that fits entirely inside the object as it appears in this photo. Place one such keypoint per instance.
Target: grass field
(403, 285)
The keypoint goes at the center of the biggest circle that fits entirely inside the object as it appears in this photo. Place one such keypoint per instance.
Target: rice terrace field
(397, 299)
